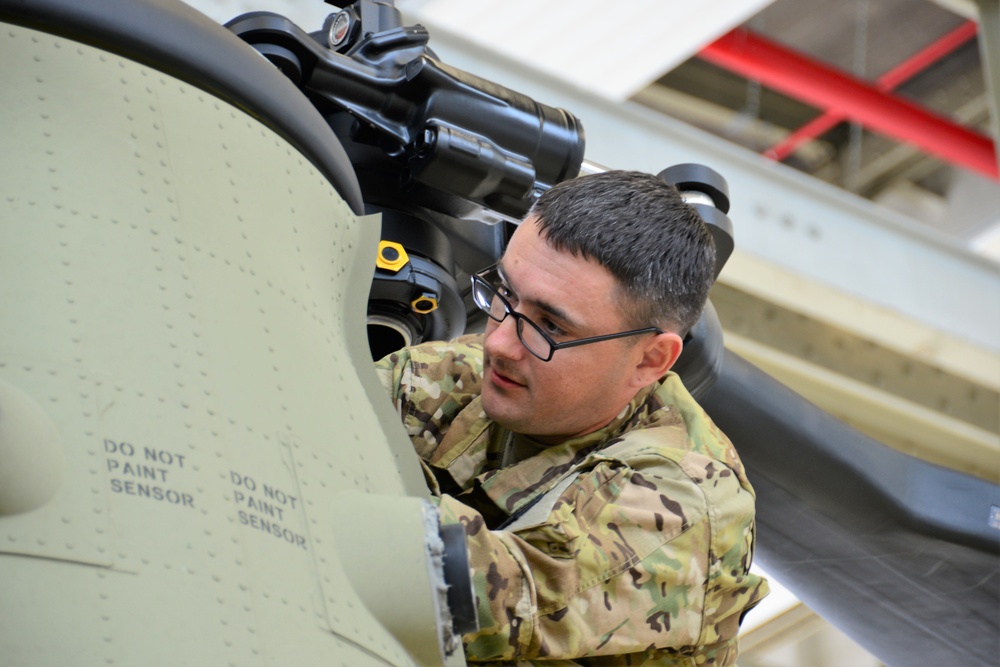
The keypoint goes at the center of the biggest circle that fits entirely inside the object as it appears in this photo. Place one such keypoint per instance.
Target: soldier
(609, 520)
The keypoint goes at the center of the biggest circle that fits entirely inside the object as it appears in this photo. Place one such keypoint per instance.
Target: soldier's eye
(551, 328)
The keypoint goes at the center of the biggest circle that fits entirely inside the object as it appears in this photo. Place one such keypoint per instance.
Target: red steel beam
(825, 87)
(892, 79)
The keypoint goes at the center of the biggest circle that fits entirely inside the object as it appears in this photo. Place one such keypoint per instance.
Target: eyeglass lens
(533, 339)
(490, 301)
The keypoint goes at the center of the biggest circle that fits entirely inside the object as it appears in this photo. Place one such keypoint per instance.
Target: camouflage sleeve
(429, 384)
(631, 559)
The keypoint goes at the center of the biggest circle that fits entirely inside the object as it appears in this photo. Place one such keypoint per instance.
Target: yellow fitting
(424, 304)
(391, 256)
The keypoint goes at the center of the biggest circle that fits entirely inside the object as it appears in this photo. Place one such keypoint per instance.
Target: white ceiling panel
(612, 50)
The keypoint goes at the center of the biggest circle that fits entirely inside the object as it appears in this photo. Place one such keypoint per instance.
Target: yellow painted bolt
(391, 256)
(426, 303)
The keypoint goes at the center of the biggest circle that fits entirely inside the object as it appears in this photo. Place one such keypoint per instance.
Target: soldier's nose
(502, 340)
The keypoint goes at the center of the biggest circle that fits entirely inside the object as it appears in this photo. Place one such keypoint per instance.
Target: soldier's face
(581, 389)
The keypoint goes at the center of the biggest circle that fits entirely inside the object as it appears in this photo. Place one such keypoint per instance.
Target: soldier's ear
(659, 353)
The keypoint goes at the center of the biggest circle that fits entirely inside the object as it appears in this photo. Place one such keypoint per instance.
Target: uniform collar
(510, 488)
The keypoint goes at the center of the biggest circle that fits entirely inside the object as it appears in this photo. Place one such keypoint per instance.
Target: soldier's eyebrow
(553, 311)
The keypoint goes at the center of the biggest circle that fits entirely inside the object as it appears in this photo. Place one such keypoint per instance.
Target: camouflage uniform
(627, 546)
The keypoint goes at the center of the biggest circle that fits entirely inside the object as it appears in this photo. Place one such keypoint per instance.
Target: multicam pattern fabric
(627, 546)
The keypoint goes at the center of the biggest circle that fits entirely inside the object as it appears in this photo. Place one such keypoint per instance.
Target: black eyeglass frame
(478, 279)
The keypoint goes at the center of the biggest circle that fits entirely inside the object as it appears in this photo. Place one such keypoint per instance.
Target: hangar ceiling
(912, 51)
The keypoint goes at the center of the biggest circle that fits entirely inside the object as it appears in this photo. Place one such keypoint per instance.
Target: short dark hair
(638, 227)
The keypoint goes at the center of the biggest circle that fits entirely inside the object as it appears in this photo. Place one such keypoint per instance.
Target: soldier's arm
(429, 384)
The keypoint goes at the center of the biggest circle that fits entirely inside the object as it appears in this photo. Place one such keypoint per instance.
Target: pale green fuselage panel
(188, 416)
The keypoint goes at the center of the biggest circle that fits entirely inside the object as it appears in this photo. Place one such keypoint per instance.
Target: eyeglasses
(539, 343)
